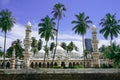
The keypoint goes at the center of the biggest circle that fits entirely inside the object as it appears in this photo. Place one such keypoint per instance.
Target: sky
(34, 10)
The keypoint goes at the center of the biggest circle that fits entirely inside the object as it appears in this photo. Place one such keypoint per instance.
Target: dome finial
(28, 26)
(29, 23)
(94, 28)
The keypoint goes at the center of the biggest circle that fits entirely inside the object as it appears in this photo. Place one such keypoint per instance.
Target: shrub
(79, 66)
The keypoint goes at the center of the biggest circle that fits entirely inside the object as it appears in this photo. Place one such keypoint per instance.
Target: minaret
(95, 53)
(13, 57)
(27, 44)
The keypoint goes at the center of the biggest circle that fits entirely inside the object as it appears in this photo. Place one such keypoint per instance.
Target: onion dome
(29, 23)
(28, 26)
(41, 51)
(74, 51)
(94, 28)
(59, 49)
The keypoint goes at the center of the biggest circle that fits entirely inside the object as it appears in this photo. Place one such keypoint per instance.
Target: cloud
(18, 32)
(69, 37)
(103, 42)
(8, 42)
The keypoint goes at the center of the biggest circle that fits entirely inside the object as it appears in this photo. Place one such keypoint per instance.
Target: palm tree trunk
(56, 40)
(111, 41)
(83, 49)
(4, 49)
(111, 38)
(45, 55)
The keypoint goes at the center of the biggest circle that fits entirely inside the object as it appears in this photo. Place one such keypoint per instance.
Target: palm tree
(7, 21)
(1, 53)
(18, 49)
(70, 46)
(52, 45)
(57, 12)
(110, 26)
(34, 45)
(81, 26)
(40, 43)
(113, 53)
(64, 46)
(46, 28)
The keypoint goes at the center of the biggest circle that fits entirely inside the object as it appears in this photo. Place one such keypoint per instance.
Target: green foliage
(58, 10)
(52, 45)
(7, 21)
(81, 26)
(18, 49)
(79, 66)
(58, 13)
(46, 28)
(81, 23)
(58, 67)
(113, 53)
(64, 46)
(34, 45)
(107, 66)
(46, 31)
(71, 46)
(110, 26)
(40, 43)
(1, 53)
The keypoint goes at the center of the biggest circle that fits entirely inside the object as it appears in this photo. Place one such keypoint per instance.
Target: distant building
(88, 45)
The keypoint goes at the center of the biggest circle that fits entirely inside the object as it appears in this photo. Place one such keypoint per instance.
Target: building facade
(62, 58)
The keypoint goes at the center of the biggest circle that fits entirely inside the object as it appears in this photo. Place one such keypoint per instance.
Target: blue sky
(34, 10)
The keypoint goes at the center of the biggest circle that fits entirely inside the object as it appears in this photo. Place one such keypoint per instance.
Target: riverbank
(60, 74)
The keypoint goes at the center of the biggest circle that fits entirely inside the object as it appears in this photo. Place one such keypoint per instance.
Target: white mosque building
(62, 58)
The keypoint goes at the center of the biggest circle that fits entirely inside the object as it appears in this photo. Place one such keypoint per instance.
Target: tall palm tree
(81, 26)
(110, 26)
(46, 30)
(7, 21)
(57, 12)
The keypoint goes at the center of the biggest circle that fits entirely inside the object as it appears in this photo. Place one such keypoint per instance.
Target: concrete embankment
(60, 74)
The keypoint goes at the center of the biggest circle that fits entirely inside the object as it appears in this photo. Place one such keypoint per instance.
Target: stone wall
(61, 74)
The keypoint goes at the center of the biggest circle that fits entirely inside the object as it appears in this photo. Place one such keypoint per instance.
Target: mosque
(62, 58)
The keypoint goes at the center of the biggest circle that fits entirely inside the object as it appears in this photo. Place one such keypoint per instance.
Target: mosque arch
(2, 65)
(51, 64)
(43, 64)
(36, 64)
(81, 62)
(70, 65)
(55, 64)
(40, 65)
(32, 65)
(87, 64)
(73, 64)
(63, 64)
(8, 65)
(48, 65)
(77, 64)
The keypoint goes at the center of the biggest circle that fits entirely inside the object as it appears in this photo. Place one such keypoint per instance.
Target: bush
(106, 66)
(79, 66)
